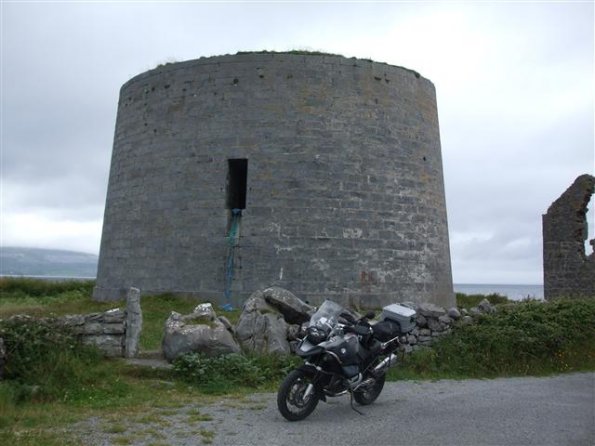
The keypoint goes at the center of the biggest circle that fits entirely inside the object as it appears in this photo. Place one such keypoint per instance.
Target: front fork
(309, 391)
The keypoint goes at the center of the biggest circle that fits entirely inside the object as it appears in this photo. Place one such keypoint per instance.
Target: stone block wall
(115, 332)
(568, 270)
(105, 330)
(344, 190)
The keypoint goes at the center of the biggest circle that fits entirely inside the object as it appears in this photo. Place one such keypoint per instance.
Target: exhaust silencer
(385, 364)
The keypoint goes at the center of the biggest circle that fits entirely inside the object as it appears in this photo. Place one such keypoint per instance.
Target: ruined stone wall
(344, 191)
(115, 332)
(568, 271)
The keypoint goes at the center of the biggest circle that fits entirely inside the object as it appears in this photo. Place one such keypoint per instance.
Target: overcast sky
(514, 80)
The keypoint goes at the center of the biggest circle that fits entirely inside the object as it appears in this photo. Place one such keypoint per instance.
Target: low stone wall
(273, 320)
(115, 332)
(434, 322)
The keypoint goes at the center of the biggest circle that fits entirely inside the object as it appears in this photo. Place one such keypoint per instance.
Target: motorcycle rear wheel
(369, 394)
(290, 398)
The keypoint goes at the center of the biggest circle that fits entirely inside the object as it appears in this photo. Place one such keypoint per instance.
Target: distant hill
(46, 262)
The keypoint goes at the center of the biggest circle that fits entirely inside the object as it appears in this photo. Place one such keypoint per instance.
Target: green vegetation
(227, 373)
(525, 338)
(294, 52)
(54, 381)
(473, 300)
(37, 297)
(14, 287)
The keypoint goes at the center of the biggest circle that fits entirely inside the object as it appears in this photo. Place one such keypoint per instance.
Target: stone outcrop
(261, 328)
(568, 271)
(199, 332)
(293, 309)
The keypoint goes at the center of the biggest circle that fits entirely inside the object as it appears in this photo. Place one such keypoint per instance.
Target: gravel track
(556, 410)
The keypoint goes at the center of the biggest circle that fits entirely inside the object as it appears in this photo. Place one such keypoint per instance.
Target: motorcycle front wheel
(369, 394)
(291, 399)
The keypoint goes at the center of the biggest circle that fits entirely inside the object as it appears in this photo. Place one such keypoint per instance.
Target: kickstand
(351, 402)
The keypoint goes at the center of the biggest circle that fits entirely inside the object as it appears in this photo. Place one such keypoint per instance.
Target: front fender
(308, 369)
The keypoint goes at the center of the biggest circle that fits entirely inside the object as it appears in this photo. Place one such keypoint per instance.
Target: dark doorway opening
(237, 180)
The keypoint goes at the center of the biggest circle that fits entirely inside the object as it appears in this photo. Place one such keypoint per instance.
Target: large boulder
(199, 332)
(261, 329)
(293, 309)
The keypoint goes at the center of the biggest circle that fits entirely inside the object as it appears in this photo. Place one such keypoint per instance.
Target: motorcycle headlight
(315, 335)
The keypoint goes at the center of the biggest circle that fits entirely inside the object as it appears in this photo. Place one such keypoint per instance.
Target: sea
(513, 292)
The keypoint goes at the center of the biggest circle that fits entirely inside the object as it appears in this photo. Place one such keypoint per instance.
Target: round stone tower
(316, 173)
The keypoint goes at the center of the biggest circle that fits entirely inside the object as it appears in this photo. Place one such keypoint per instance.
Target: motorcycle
(343, 355)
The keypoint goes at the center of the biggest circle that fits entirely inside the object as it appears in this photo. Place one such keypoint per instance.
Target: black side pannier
(386, 330)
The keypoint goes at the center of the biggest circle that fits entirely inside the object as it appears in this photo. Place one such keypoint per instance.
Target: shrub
(522, 339)
(473, 300)
(222, 373)
(44, 360)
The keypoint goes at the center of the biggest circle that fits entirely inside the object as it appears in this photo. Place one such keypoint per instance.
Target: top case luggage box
(404, 316)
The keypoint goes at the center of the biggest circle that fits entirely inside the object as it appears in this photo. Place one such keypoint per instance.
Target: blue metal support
(232, 243)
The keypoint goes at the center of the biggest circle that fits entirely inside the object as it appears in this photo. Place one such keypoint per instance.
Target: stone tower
(316, 173)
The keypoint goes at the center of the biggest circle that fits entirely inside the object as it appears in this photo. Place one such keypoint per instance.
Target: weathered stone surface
(294, 332)
(568, 270)
(262, 333)
(115, 315)
(227, 323)
(182, 337)
(486, 307)
(430, 310)
(422, 321)
(256, 302)
(425, 332)
(73, 320)
(117, 328)
(446, 320)
(110, 345)
(467, 320)
(134, 323)
(293, 309)
(205, 310)
(92, 328)
(454, 313)
(435, 324)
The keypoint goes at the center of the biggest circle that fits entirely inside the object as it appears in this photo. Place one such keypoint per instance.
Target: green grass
(48, 298)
